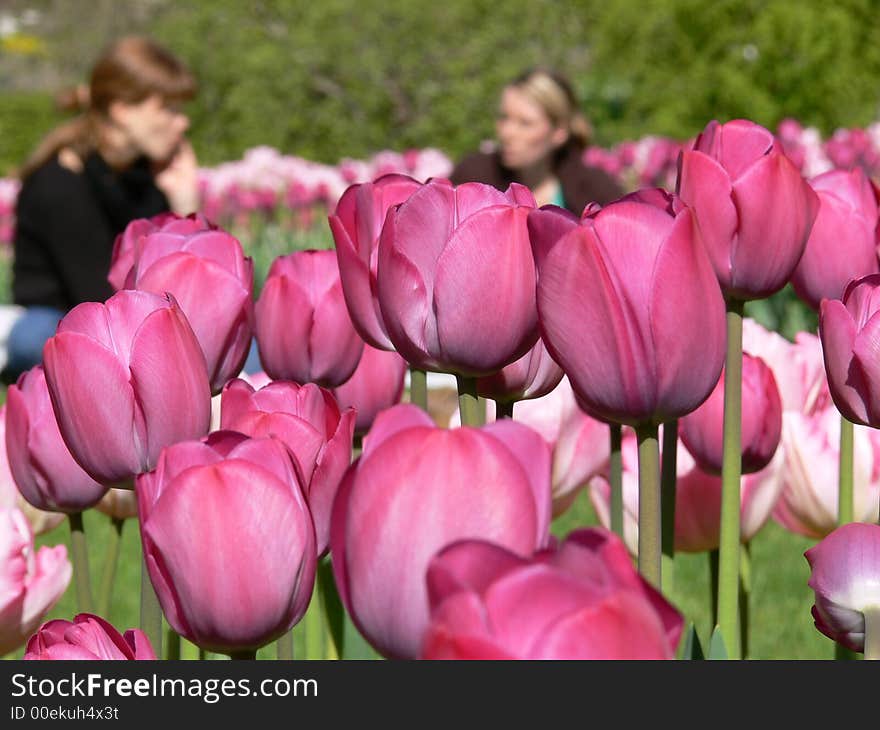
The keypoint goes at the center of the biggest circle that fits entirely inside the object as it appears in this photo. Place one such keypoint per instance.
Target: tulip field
(481, 429)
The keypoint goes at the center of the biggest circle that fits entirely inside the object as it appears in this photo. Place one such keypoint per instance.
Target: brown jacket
(580, 184)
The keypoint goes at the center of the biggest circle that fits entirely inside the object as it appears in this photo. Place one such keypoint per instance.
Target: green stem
(713, 586)
(469, 403)
(504, 410)
(845, 480)
(357, 446)
(111, 561)
(284, 646)
(151, 612)
(649, 505)
(172, 650)
(80, 553)
(334, 612)
(872, 632)
(731, 473)
(202, 654)
(615, 477)
(313, 625)
(745, 596)
(418, 388)
(667, 490)
(244, 654)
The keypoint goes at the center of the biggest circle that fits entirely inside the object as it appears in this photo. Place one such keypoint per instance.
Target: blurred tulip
(127, 244)
(303, 329)
(40, 462)
(39, 520)
(87, 637)
(415, 489)
(849, 331)
(308, 420)
(583, 600)
(534, 375)
(120, 504)
(356, 226)
(809, 502)
(630, 308)
(845, 577)
(189, 264)
(228, 540)
(797, 366)
(456, 279)
(126, 378)
(31, 581)
(702, 430)
(843, 241)
(377, 384)
(754, 209)
(697, 500)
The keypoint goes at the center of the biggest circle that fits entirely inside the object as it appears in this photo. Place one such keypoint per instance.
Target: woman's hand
(178, 180)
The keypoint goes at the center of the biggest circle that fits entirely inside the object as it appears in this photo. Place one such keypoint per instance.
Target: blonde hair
(555, 95)
(130, 70)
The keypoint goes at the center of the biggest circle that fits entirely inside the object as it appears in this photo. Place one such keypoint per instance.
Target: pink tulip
(754, 209)
(849, 330)
(46, 474)
(583, 600)
(534, 375)
(356, 226)
(126, 246)
(845, 577)
(843, 241)
(303, 329)
(456, 279)
(87, 637)
(630, 308)
(797, 366)
(415, 489)
(31, 582)
(228, 540)
(809, 501)
(377, 384)
(308, 420)
(702, 431)
(126, 378)
(697, 500)
(39, 520)
(189, 264)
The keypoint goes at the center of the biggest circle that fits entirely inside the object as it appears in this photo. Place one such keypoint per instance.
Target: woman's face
(526, 136)
(153, 126)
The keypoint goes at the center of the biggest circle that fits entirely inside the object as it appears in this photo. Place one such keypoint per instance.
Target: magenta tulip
(415, 489)
(583, 600)
(843, 241)
(754, 209)
(377, 384)
(356, 225)
(456, 278)
(845, 577)
(811, 443)
(702, 430)
(534, 375)
(46, 474)
(126, 378)
(228, 540)
(303, 329)
(126, 246)
(849, 331)
(87, 637)
(189, 264)
(308, 420)
(31, 581)
(630, 308)
(697, 500)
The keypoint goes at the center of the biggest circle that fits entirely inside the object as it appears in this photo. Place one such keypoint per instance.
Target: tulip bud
(87, 637)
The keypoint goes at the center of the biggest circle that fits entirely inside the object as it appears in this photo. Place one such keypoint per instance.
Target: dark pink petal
(283, 322)
(838, 334)
(468, 565)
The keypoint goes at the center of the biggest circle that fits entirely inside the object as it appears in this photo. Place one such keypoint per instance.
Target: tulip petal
(838, 334)
(547, 225)
(469, 566)
(864, 368)
(283, 320)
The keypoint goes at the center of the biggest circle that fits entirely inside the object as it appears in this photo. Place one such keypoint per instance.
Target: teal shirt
(557, 197)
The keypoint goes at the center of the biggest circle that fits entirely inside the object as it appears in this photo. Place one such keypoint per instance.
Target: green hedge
(339, 78)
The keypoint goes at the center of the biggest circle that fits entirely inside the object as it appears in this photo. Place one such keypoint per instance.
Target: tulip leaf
(717, 648)
(333, 609)
(690, 647)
